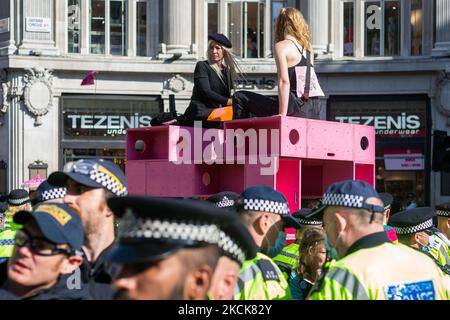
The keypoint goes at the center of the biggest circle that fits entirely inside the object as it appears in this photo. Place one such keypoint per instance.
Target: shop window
(445, 183)
(213, 17)
(349, 28)
(416, 27)
(108, 21)
(382, 28)
(73, 26)
(141, 28)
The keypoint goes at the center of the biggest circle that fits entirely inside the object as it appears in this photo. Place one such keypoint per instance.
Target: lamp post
(38, 168)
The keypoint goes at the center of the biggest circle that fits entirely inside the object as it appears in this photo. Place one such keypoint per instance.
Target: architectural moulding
(443, 94)
(38, 92)
(177, 83)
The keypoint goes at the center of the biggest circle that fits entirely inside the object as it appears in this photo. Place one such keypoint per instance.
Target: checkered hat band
(179, 230)
(413, 229)
(310, 222)
(225, 203)
(231, 248)
(344, 200)
(108, 182)
(266, 206)
(18, 202)
(443, 213)
(51, 194)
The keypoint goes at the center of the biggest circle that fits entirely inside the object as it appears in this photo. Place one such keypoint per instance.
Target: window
(112, 29)
(349, 28)
(141, 29)
(73, 26)
(213, 17)
(382, 28)
(416, 27)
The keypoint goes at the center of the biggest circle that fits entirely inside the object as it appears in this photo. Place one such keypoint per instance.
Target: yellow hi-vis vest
(7, 236)
(437, 250)
(287, 260)
(261, 279)
(384, 272)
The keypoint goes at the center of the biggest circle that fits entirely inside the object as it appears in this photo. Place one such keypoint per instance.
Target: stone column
(316, 13)
(177, 29)
(442, 45)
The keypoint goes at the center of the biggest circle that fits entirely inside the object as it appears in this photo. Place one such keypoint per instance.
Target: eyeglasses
(83, 167)
(39, 245)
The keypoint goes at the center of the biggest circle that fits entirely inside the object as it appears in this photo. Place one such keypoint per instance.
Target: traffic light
(441, 151)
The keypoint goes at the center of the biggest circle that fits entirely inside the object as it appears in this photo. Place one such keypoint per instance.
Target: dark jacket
(209, 91)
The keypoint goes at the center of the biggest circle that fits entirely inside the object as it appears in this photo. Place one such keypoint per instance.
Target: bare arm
(283, 78)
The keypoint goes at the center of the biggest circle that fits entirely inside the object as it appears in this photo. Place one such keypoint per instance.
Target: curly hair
(290, 21)
(311, 239)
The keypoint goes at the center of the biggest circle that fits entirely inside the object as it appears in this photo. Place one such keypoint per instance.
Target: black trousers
(248, 104)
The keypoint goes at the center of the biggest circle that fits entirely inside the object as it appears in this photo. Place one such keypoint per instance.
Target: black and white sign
(37, 24)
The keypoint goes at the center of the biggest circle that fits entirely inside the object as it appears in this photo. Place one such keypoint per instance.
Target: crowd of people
(82, 237)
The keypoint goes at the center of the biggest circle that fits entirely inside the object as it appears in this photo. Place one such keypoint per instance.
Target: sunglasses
(39, 245)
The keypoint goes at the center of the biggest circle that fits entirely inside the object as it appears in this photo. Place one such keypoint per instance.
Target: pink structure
(307, 156)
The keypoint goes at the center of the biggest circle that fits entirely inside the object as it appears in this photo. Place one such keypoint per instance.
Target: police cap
(413, 220)
(301, 217)
(443, 210)
(387, 199)
(153, 228)
(18, 197)
(225, 200)
(349, 193)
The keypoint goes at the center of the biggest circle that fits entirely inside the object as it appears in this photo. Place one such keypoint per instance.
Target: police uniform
(60, 225)
(260, 278)
(374, 268)
(153, 229)
(94, 173)
(443, 210)
(225, 200)
(16, 198)
(412, 221)
(387, 199)
(288, 258)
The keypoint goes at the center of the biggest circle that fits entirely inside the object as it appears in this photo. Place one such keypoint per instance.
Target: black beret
(18, 197)
(153, 228)
(221, 39)
(225, 199)
(387, 199)
(301, 217)
(413, 220)
(443, 210)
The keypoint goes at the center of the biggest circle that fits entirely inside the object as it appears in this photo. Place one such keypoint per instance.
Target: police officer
(18, 199)
(45, 248)
(89, 183)
(237, 246)
(370, 266)
(265, 213)
(413, 228)
(443, 224)
(46, 193)
(387, 199)
(288, 258)
(167, 248)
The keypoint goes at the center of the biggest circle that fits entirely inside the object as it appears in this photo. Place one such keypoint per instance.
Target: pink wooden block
(135, 175)
(329, 140)
(365, 172)
(291, 135)
(364, 144)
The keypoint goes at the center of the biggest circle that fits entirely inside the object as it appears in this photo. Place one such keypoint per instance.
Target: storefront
(94, 126)
(402, 125)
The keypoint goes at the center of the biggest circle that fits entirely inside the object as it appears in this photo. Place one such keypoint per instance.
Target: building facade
(383, 63)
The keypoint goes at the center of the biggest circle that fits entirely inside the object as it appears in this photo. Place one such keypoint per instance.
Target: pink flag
(89, 79)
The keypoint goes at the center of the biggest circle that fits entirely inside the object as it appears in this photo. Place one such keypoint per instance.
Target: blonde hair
(229, 60)
(290, 21)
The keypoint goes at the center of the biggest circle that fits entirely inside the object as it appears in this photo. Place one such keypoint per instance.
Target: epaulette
(269, 272)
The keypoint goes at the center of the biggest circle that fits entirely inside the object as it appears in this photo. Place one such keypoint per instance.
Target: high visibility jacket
(7, 236)
(437, 249)
(261, 279)
(376, 269)
(287, 260)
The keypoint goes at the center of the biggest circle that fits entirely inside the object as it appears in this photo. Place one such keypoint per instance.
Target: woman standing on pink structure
(298, 87)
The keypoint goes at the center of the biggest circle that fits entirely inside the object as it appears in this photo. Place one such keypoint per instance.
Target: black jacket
(208, 86)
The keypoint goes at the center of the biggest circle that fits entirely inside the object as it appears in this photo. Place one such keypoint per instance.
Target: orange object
(221, 114)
